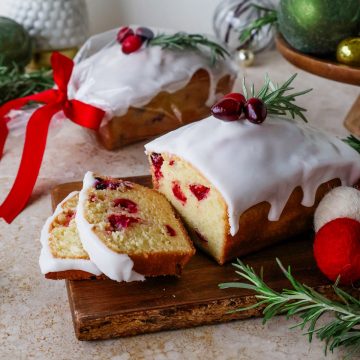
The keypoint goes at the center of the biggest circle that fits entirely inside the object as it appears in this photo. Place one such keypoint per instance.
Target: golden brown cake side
(165, 112)
(206, 215)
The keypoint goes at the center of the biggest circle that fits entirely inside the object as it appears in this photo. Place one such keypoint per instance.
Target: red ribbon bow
(54, 100)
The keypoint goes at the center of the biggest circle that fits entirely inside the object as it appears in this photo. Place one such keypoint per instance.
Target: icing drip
(249, 163)
(106, 77)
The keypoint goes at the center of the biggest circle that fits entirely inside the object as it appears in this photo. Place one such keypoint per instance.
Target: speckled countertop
(35, 321)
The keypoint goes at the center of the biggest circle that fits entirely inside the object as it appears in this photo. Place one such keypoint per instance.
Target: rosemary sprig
(265, 17)
(276, 98)
(181, 41)
(14, 83)
(353, 142)
(310, 305)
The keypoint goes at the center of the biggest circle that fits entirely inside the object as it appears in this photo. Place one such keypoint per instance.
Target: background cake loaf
(240, 186)
(149, 91)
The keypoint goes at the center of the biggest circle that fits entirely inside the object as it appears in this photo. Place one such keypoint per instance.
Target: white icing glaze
(106, 77)
(116, 266)
(48, 263)
(249, 163)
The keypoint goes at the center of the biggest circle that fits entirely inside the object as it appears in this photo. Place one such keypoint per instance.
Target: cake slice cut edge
(130, 231)
(62, 255)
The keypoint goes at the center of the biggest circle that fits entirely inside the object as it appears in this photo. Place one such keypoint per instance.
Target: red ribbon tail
(34, 147)
(4, 131)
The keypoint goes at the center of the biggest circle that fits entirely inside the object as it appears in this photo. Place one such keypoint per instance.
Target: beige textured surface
(35, 319)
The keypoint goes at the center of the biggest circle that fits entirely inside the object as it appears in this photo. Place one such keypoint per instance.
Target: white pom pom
(340, 202)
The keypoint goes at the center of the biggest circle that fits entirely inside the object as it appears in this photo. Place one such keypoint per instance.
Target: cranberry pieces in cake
(110, 184)
(127, 205)
(121, 221)
(178, 193)
(170, 230)
(200, 191)
(157, 161)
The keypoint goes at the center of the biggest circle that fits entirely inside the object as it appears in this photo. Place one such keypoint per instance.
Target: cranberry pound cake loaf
(62, 255)
(240, 186)
(130, 231)
(147, 83)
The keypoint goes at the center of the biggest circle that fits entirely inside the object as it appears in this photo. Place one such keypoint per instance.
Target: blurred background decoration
(60, 25)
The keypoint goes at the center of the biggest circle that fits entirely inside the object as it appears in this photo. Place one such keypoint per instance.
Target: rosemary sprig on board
(182, 41)
(277, 99)
(353, 142)
(343, 330)
(14, 83)
(265, 17)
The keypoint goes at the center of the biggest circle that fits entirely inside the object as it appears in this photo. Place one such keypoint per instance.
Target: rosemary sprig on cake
(353, 142)
(132, 41)
(310, 305)
(183, 41)
(14, 83)
(273, 99)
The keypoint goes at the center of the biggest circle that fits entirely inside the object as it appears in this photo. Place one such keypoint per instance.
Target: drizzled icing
(106, 77)
(249, 163)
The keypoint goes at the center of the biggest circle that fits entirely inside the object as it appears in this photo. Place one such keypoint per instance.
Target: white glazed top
(249, 163)
(106, 77)
(48, 263)
(116, 266)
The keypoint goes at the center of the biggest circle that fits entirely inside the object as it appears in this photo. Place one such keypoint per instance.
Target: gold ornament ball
(245, 57)
(348, 51)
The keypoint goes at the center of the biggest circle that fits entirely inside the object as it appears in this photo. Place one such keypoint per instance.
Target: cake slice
(130, 231)
(62, 255)
(240, 187)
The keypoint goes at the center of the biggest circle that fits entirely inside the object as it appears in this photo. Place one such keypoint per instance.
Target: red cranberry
(102, 184)
(157, 161)
(69, 216)
(200, 191)
(255, 110)
(127, 205)
(121, 221)
(131, 44)
(145, 33)
(123, 33)
(176, 189)
(171, 162)
(236, 96)
(227, 109)
(170, 230)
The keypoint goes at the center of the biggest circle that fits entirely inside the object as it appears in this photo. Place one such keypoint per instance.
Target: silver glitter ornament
(233, 16)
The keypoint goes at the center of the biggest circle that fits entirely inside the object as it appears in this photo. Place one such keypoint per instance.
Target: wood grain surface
(103, 309)
(323, 67)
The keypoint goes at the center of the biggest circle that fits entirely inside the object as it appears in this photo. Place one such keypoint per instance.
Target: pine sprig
(277, 99)
(353, 142)
(14, 83)
(182, 41)
(343, 330)
(265, 17)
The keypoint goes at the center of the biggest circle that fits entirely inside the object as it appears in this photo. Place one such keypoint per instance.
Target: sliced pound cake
(130, 231)
(62, 255)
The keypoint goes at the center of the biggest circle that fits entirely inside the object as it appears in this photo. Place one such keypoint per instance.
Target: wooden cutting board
(103, 309)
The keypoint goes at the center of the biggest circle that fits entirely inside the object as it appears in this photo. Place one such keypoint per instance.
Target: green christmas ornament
(348, 51)
(317, 26)
(15, 43)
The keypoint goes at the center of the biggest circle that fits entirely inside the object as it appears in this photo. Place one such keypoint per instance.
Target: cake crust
(165, 112)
